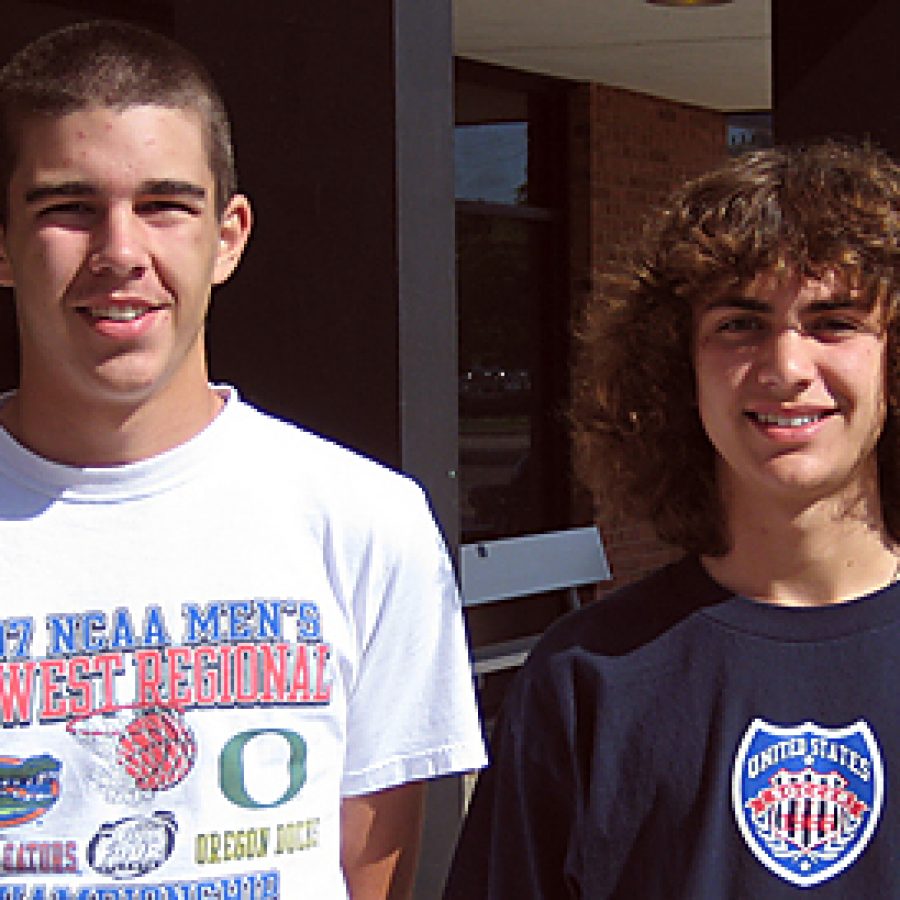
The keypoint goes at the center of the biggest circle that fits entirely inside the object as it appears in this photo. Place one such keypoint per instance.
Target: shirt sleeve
(517, 840)
(411, 708)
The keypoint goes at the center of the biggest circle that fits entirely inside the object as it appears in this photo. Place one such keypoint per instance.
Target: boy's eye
(151, 207)
(66, 208)
(739, 325)
(835, 326)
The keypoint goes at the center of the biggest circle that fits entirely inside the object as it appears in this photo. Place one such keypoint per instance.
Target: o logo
(231, 768)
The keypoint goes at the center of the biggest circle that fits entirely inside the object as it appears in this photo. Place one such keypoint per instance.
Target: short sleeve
(411, 708)
(517, 840)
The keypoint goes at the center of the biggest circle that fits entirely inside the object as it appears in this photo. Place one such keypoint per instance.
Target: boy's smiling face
(790, 375)
(112, 245)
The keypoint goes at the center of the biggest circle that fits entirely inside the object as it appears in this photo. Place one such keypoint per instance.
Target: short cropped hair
(115, 65)
(833, 206)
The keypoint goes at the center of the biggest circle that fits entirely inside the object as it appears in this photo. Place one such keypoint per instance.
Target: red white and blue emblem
(807, 799)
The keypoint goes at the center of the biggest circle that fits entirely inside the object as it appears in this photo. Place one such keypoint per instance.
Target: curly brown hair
(639, 440)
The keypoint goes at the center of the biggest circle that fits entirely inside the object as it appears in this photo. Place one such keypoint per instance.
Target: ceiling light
(688, 2)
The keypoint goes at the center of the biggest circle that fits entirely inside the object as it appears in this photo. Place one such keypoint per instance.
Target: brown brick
(629, 151)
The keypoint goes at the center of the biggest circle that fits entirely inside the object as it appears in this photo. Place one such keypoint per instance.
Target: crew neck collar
(107, 483)
(789, 623)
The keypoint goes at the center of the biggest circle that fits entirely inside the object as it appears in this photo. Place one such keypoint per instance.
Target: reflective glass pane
(492, 162)
(501, 280)
(749, 131)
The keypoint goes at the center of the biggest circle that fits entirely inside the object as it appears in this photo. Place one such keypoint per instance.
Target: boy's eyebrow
(62, 189)
(163, 187)
(835, 303)
(736, 301)
(172, 187)
(752, 304)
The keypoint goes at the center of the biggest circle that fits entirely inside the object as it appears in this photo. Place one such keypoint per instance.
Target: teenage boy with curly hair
(727, 727)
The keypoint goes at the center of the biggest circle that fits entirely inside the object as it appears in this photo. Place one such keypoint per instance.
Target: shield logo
(807, 799)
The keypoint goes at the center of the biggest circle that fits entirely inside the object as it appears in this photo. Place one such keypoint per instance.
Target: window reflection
(500, 289)
(492, 162)
(749, 131)
(513, 309)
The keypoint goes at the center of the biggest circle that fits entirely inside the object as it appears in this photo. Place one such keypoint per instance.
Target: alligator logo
(28, 788)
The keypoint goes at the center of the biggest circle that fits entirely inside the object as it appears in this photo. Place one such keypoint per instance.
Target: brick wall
(627, 151)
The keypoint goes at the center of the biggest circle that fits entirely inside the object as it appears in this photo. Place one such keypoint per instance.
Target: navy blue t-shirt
(675, 741)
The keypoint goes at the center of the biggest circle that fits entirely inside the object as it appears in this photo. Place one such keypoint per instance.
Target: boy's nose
(118, 247)
(786, 362)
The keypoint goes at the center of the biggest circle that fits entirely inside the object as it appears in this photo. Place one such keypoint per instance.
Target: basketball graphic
(136, 751)
(157, 749)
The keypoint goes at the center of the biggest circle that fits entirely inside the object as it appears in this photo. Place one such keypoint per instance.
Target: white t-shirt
(294, 603)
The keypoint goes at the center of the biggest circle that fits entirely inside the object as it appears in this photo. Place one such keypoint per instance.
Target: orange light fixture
(689, 2)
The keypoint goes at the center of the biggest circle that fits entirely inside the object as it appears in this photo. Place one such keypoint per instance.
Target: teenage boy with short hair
(231, 651)
(727, 727)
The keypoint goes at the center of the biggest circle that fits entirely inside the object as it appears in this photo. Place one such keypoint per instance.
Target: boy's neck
(107, 434)
(828, 551)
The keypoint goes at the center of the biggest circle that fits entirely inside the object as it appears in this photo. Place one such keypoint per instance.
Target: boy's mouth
(118, 313)
(783, 420)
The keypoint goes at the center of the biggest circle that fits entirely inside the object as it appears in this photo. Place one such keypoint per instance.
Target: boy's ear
(234, 231)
